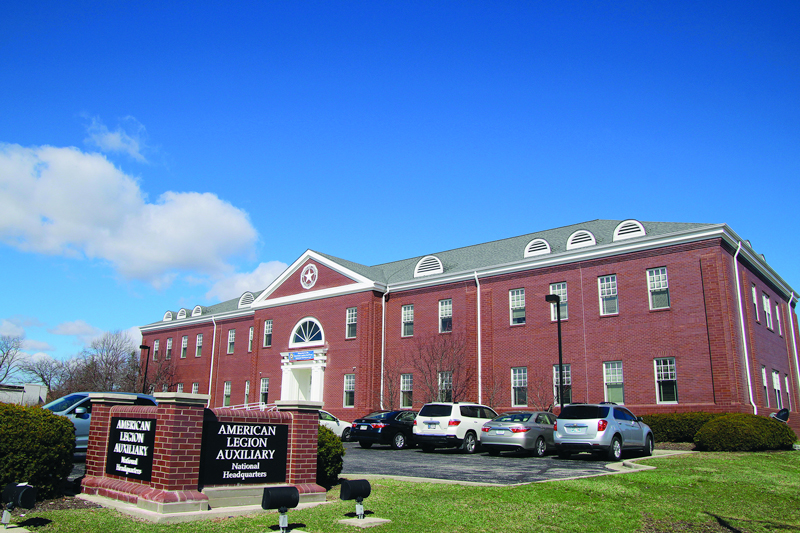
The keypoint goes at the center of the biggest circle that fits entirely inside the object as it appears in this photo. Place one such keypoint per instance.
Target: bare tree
(443, 370)
(10, 355)
(48, 371)
(160, 376)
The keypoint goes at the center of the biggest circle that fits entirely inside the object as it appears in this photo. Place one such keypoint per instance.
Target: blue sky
(158, 155)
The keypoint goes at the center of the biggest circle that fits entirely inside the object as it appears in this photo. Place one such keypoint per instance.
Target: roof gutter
(213, 347)
(794, 345)
(480, 361)
(383, 339)
(741, 323)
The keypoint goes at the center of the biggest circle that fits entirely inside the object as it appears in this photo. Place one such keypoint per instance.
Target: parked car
(395, 428)
(451, 424)
(78, 408)
(603, 429)
(519, 430)
(340, 427)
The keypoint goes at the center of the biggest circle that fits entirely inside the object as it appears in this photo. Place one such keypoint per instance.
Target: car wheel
(365, 444)
(615, 450)
(540, 447)
(346, 434)
(649, 445)
(470, 443)
(399, 440)
(427, 448)
(564, 455)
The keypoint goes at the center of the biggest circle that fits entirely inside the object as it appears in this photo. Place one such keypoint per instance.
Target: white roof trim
(428, 266)
(537, 247)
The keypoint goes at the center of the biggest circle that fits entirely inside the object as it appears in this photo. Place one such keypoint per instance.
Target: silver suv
(450, 425)
(603, 429)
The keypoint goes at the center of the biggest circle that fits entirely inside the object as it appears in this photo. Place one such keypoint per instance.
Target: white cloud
(118, 140)
(11, 329)
(39, 346)
(62, 201)
(237, 284)
(79, 329)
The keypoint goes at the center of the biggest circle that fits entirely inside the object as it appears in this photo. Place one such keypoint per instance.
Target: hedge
(36, 447)
(677, 427)
(741, 432)
(330, 457)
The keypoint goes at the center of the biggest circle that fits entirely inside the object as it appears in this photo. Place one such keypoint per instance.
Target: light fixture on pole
(556, 299)
(146, 367)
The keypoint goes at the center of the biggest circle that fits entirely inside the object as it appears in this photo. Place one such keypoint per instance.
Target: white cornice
(196, 320)
(321, 294)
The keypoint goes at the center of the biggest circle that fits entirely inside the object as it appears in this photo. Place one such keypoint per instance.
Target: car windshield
(435, 409)
(380, 415)
(62, 404)
(577, 412)
(513, 417)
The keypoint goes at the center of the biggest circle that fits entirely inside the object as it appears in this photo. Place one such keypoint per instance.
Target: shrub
(677, 427)
(741, 432)
(36, 447)
(330, 457)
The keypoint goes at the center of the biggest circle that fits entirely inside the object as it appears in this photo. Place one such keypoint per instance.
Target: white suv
(449, 425)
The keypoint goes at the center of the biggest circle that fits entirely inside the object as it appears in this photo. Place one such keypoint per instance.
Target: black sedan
(384, 427)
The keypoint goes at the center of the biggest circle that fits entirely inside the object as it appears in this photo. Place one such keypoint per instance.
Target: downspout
(741, 323)
(480, 361)
(383, 339)
(213, 347)
(794, 344)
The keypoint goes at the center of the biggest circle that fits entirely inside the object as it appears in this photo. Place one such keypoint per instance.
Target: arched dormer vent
(246, 299)
(181, 314)
(167, 316)
(580, 238)
(537, 247)
(197, 311)
(628, 229)
(427, 266)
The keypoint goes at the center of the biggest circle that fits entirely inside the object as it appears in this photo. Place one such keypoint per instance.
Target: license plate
(433, 426)
(500, 432)
(364, 428)
(574, 430)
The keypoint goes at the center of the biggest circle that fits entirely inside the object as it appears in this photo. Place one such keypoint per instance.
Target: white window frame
(169, 349)
(445, 313)
(788, 393)
(231, 340)
(755, 300)
(250, 339)
(247, 392)
(156, 344)
(613, 374)
(665, 369)
(407, 321)
(607, 292)
(560, 289)
(445, 379)
(566, 371)
(516, 303)
(519, 386)
(767, 310)
(195, 388)
(776, 389)
(778, 319)
(267, 333)
(179, 387)
(765, 384)
(184, 346)
(351, 323)
(657, 281)
(264, 391)
(226, 394)
(303, 329)
(406, 390)
(349, 396)
(198, 346)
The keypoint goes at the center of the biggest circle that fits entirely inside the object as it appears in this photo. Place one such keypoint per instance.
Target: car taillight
(602, 425)
(415, 422)
(453, 422)
(379, 425)
(485, 429)
(519, 429)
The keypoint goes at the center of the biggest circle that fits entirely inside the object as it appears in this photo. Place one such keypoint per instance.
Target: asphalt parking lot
(455, 466)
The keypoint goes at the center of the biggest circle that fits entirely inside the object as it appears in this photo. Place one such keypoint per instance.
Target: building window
(612, 376)
(198, 350)
(247, 392)
(767, 310)
(164, 388)
(445, 316)
(446, 386)
(406, 390)
(408, 320)
(184, 346)
(516, 302)
(226, 394)
(788, 395)
(231, 340)
(264, 390)
(250, 339)
(519, 386)
(755, 300)
(666, 380)
(776, 388)
(180, 387)
(349, 390)
(764, 384)
(607, 288)
(566, 373)
(352, 322)
(561, 290)
(195, 388)
(267, 333)
(155, 350)
(659, 288)
(307, 333)
(169, 348)
(778, 319)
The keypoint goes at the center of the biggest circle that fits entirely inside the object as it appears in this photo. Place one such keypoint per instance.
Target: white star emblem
(309, 276)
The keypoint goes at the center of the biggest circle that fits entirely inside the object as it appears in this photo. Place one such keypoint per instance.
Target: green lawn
(746, 492)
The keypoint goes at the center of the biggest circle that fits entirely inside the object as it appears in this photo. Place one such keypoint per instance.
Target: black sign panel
(243, 453)
(130, 447)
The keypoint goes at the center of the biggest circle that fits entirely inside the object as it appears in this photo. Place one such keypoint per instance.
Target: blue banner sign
(301, 356)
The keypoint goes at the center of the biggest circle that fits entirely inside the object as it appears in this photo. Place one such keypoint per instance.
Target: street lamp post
(556, 299)
(146, 367)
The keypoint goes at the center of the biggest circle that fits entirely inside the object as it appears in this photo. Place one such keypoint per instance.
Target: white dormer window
(197, 311)
(167, 316)
(580, 238)
(427, 266)
(246, 299)
(181, 314)
(628, 229)
(537, 247)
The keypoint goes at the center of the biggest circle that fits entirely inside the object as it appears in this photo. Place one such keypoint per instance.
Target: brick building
(660, 316)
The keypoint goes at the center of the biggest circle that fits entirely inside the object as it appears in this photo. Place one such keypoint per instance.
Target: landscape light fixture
(146, 367)
(282, 499)
(556, 299)
(17, 495)
(356, 489)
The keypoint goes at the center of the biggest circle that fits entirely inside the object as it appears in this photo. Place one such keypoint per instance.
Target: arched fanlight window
(167, 316)
(308, 332)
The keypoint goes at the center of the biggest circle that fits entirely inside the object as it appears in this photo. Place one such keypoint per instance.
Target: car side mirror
(639, 419)
(81, 412)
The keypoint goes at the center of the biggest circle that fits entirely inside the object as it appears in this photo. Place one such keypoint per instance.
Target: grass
(745, 492)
